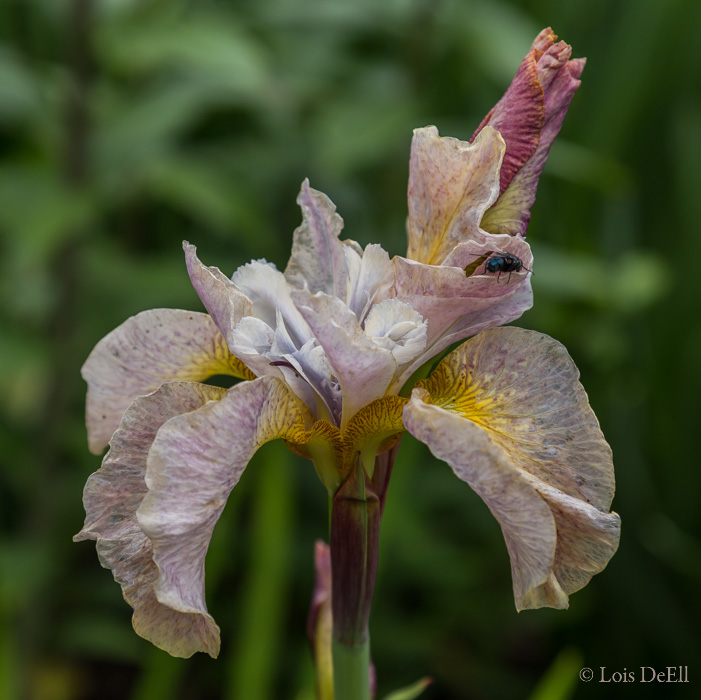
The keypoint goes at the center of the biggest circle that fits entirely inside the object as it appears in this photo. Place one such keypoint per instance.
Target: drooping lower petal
(586, 537)
(111, 498)
(523, 387)
(516, 394)
(525, 520)
(195, 461)
(153, 347)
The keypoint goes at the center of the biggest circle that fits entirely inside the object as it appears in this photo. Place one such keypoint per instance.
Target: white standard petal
(370, 278)
(394, 325)
(314, 381)
(252, 338)
(269, 291)
(271, 352)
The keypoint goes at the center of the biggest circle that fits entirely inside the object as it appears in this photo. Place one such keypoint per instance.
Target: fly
(498, 263)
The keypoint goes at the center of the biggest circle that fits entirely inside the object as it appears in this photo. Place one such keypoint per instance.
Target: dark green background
(128, 125)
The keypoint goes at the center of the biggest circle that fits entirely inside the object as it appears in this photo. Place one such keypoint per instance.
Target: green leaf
(213, 48)
(361, 130)
(39, 210)
(26, 364)
(24, 565)
(625, 284)
(410, 691)
(144, 127)
(493, 35)
(560, 680)
(196, 186)
(585, 166)
(265, 598)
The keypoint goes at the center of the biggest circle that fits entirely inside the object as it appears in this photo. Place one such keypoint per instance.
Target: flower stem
(351, 671)
(355, 523)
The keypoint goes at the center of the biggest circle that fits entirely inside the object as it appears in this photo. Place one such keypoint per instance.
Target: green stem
(351, 671)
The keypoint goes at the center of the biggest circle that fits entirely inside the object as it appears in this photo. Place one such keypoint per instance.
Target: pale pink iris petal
(194, 463)
(443, 294)
(151, 348)
(451, 184)
(317, 262)
(505, 310)
(526, 522)
(586, 537)
(516, 394)
(111, 498)
(465, 254)
(528, 391)
(363, 370)
(226, 304)
(446, 296)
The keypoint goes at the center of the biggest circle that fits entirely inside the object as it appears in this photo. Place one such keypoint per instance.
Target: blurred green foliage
(127, 126)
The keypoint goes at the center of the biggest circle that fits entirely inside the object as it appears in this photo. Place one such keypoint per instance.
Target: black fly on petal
(498, 263)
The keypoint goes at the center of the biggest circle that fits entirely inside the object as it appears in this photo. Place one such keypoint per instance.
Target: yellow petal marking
(372, 430)
(522, 388)
(457, 389)
(223, 362)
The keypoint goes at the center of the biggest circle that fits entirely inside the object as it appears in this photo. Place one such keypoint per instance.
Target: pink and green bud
(529, 117)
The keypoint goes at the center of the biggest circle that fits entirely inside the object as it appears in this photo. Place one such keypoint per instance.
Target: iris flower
(334, 354)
